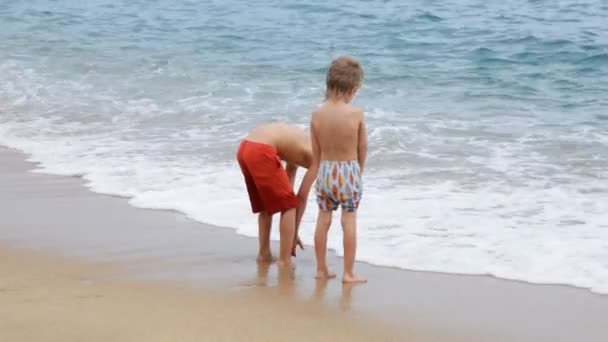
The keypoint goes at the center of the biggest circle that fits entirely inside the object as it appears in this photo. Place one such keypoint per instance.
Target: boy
(270, 186)
(339, 144)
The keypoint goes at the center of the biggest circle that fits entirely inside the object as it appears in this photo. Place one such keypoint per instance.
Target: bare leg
(323, 224)
(288, 230)
(264, 226)
(349, 228)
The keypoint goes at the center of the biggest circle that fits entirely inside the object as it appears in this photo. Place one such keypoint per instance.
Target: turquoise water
(488, 121)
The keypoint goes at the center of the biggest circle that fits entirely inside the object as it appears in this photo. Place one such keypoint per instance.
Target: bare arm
(362, 144)
(309, 176)
(291, 170)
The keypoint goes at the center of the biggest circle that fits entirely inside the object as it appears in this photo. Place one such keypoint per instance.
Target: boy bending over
(339, 145)
(270, 186)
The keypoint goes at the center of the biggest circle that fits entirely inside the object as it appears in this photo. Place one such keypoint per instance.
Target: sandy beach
(79, 266)
(53, 299)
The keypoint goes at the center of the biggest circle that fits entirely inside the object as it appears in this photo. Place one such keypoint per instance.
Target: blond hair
(344, 76)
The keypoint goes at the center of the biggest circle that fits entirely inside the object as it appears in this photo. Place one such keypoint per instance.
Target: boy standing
(339, 145)
(270, 186)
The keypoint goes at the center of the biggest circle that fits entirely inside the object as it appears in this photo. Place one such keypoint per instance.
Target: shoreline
(166, 246)
(331, 252)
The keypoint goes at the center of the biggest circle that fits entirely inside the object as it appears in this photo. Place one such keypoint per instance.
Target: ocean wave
(595, 60)
(487, 135)
(428, 16)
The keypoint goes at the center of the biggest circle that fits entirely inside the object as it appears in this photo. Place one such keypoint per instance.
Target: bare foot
(352, 279)
(266, 258)
(324, 274)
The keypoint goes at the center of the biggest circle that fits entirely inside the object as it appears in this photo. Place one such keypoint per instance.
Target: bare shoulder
(314, 117)
(357, 113)
(317, 112)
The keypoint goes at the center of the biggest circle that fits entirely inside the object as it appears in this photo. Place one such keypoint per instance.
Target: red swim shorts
(267, 182)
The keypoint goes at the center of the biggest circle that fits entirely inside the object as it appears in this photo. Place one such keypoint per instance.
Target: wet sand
(53, 299)
(121, 273)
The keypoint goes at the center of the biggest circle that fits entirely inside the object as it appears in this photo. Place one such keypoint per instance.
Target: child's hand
(297, 243)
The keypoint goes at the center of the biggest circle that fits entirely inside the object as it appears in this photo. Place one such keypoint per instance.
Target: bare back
(292, 143)
(337, 128)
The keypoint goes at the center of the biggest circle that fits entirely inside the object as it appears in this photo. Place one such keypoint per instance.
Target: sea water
(488, 120)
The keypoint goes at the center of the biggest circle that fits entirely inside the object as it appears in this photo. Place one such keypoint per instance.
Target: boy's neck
(338, 100)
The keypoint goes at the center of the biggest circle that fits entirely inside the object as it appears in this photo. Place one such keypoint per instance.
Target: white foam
(479, 208)
(436, 227)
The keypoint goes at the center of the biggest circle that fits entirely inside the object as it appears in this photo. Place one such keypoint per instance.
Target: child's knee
(325, 218)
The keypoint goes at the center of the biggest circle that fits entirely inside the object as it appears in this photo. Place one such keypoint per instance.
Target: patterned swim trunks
(339, 183)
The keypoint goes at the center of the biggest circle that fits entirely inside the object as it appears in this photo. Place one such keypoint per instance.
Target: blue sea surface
(488, 121)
